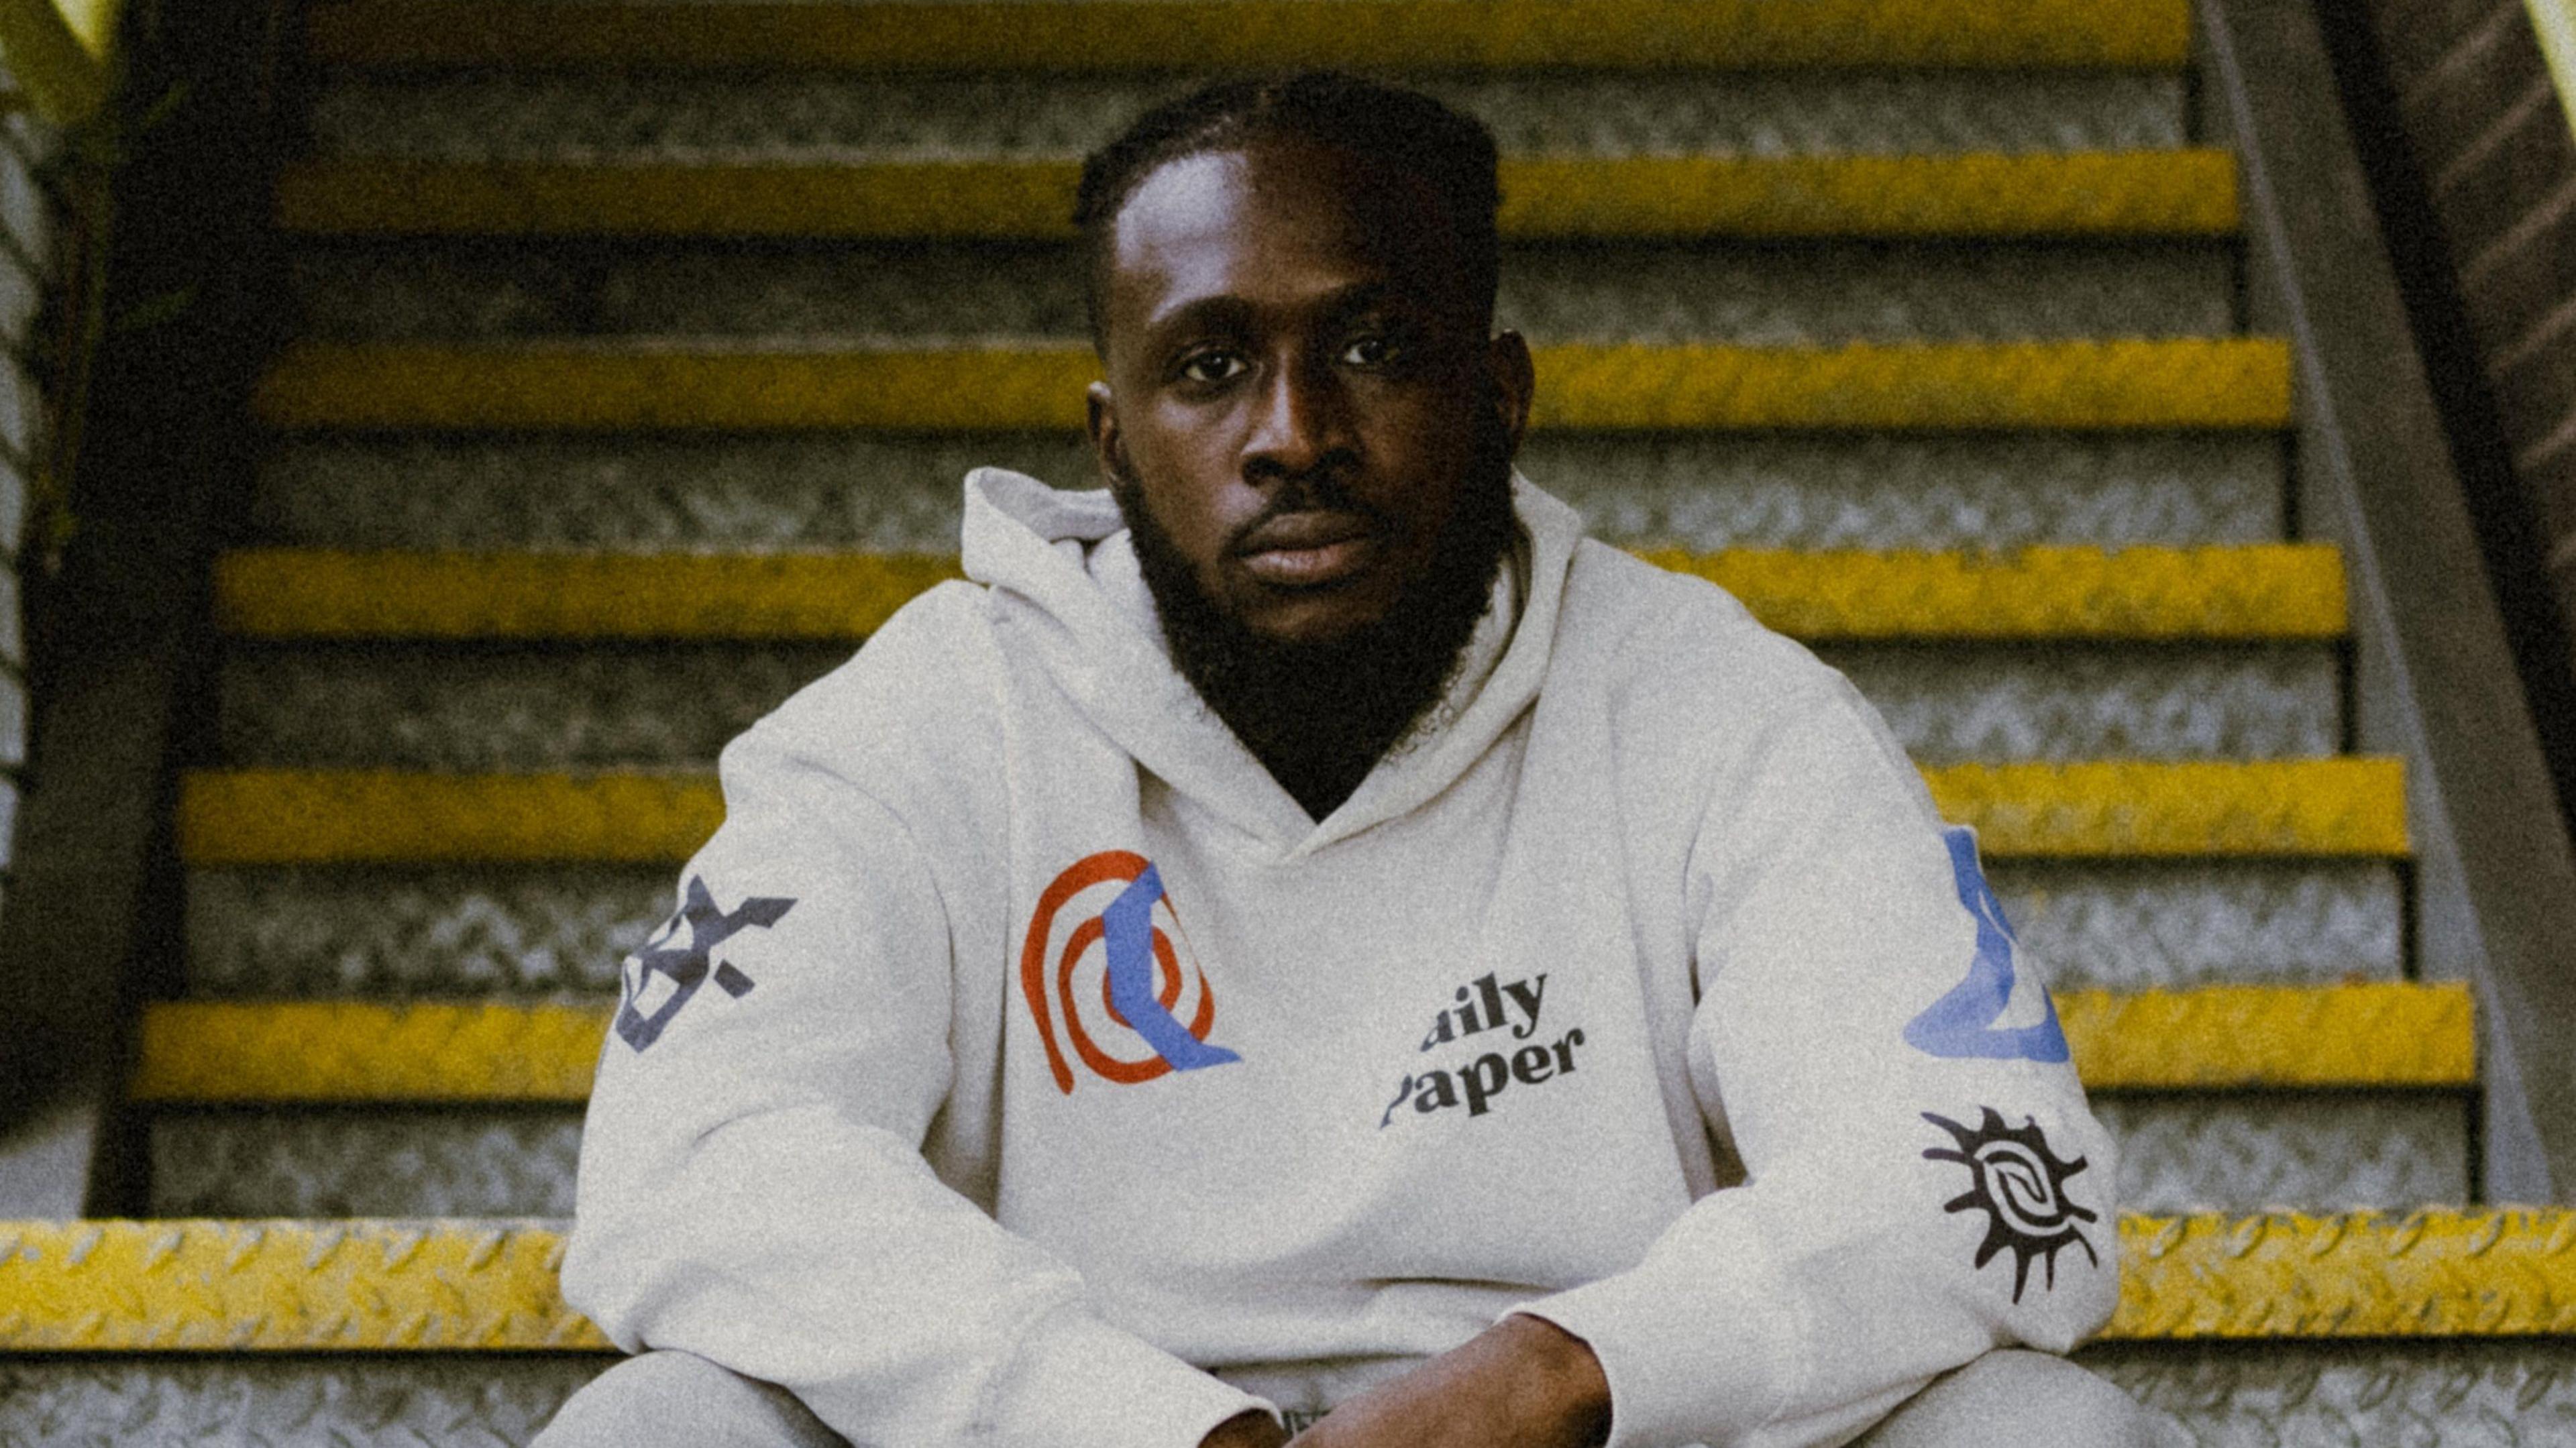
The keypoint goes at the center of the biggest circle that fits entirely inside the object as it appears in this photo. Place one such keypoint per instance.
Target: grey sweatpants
(2002, 1400)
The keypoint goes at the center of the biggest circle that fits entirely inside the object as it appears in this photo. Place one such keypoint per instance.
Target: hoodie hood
(1067, 589)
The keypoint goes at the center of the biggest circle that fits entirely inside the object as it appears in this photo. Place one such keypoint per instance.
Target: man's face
(1297, 380)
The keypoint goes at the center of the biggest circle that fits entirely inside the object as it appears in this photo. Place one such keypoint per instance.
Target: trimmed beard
(1319, 715)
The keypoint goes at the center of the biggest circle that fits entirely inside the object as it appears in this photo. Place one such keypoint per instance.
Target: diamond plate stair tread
(2119, 926)
(1053, 39)
(444, 1285)
(394, 933)
(287, 1402)
(783, 116)
(2185, 193)
(2317, 1152)
(2307, 1151)
(2239, 1037)
(2266, 592)
(2414, 1395)
(2306, 808)
(902, 493)
(474, 1162)
(538, 707)
(911, 294)
(2143, 384)
(2460, 1394)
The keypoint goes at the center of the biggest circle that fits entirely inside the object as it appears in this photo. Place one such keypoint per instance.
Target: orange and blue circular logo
(1106, 960)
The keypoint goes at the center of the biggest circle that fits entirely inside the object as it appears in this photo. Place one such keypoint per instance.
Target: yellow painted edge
(2377, 1034)
(2347, 806)
(360, 1051)
(2260, 591)
(2287, 808)
(2434, 1273)
(448, 1285)
(2390, 1034)
(1225, 34)
(282, 816)
(2088, 193)
(285, 1286)
(2206, 383)
(319, 593)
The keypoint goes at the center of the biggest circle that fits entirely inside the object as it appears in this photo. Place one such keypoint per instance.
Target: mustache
(1322, 489)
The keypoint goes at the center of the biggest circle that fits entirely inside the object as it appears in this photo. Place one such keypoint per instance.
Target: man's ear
(1100, 419)
(1515, 380)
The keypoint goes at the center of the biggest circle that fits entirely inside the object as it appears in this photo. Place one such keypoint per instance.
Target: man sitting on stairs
(1306, 940)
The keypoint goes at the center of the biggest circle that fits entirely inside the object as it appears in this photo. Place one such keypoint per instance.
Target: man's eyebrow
(1201, 314)
(1228, 311)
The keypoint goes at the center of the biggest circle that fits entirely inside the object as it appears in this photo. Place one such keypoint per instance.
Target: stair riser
(602, 115)
(912, 294)
(2310, 1151)
(2438, 1395)
(470, 709)
(398, 933)
(903, 493)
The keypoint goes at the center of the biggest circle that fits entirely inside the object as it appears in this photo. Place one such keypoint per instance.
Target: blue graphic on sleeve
(1962, 1024)
(1128, 925)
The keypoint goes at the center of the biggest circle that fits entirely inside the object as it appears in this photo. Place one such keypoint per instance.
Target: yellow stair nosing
(2269, 592)
(2348, 1035)
(1221, 34)
(264, 1286)
(2122, 384)
(2188, 192)
(2346, 807)
(2380, 1035)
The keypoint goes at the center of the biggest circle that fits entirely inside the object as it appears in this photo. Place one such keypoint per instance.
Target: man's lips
(1308, 550)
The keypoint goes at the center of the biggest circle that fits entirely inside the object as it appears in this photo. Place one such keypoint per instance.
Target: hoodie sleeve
(752, 1187)
(1923, 1179)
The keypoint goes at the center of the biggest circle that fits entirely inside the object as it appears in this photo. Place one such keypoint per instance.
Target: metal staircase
(639, 351)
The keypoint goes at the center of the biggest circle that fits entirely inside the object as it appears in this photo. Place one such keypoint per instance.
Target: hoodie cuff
(1696, 1359)
(1080, 1383)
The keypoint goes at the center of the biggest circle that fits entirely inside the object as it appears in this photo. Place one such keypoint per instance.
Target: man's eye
(1211, 367)
(1372, 352)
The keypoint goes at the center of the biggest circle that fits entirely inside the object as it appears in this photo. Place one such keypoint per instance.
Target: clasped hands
(1522, 1383)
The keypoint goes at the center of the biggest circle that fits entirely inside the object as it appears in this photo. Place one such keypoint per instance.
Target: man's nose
(1301, 422)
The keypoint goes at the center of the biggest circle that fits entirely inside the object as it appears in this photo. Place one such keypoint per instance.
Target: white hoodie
(1026, 1067)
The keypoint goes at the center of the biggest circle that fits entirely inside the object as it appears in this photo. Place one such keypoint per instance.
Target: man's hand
(1521, 1383)
(1254, 1429)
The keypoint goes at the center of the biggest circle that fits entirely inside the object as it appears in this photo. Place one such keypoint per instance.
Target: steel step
(2191, 383)
(900, 492)
(2266, 593)
(2456, 1393)
(2342, 807)
(448, 1285)
(2317, 1151)
(786, 117)
(406, 932)
(1372, 34)
(491, 290)
(813, 191)
(474, 707)
(2378, 1035)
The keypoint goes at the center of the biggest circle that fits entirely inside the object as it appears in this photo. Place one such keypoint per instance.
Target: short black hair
(1372, 120)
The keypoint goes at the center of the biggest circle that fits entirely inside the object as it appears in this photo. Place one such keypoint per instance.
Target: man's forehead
(1275, 219)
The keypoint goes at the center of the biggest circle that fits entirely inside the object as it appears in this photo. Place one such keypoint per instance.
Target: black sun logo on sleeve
(2021, 1187)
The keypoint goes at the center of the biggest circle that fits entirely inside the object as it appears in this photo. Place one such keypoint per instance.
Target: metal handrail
(57, 50)
(2555, 21)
